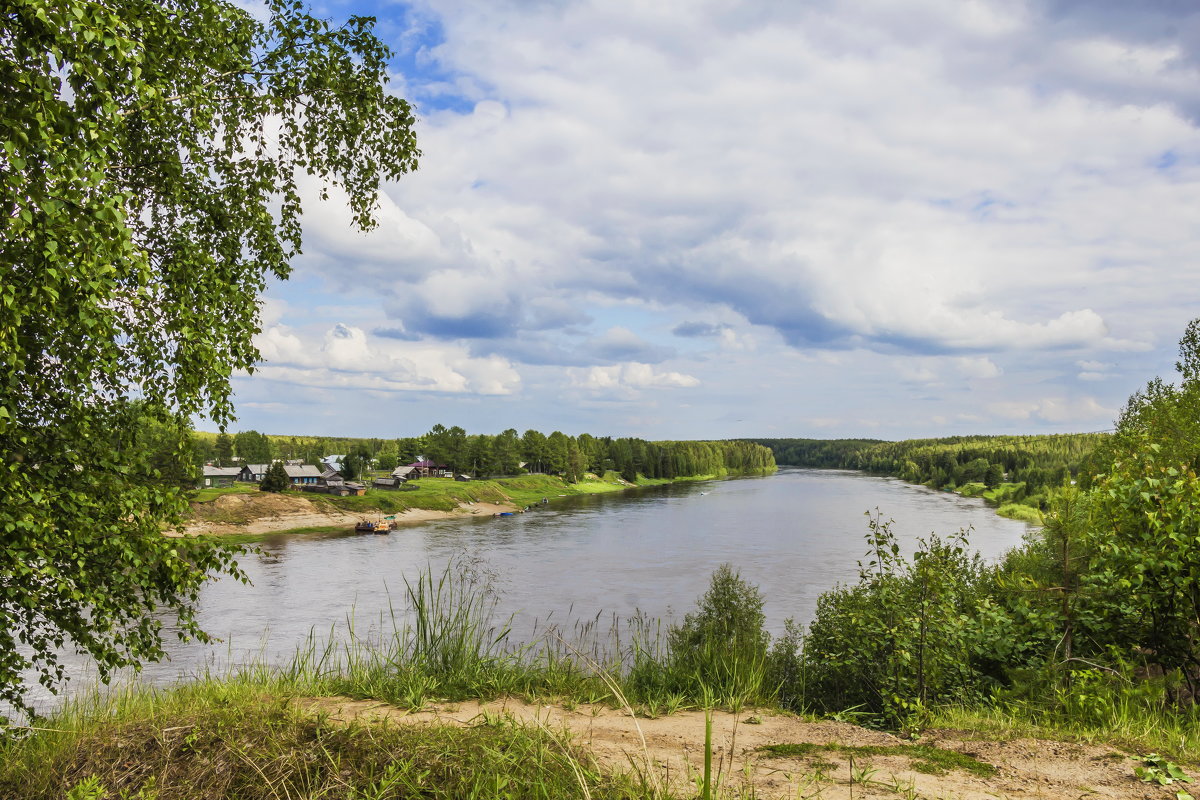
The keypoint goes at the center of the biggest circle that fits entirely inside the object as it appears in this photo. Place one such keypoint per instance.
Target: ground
(830, 760)
(267, 512)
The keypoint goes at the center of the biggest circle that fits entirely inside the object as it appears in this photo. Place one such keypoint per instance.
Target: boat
(505, 514)
(373, 526)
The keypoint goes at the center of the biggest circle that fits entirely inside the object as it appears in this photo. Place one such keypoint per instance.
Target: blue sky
(719, 219)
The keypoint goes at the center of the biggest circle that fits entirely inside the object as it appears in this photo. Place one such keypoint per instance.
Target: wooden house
(302, 475)
(217, 476)
(428, 469)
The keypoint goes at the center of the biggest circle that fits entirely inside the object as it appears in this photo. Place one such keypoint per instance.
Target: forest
(1006, 470)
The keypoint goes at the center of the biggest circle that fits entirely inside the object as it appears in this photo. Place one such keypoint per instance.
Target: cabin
(253, 473)
(428, 469)
(302, 475)
(462, 478)
(388, 483)
(217, 476)
(402, 473)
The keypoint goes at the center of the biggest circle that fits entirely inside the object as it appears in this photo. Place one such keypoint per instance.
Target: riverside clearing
(769, 754)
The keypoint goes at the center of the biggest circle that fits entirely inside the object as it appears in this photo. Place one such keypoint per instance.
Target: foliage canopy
(151, 159)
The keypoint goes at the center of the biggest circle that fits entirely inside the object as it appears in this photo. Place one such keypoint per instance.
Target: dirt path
(674, 745)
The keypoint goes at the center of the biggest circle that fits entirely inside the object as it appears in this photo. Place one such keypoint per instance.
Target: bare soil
(671, 749)
(267, 512)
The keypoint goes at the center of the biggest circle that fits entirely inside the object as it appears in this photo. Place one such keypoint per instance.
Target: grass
(925, 758)
(213, 492)
(219, 740)
(1128, 725)
(1021, 512)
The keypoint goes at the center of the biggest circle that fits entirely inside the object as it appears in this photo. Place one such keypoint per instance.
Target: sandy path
(1025, 768)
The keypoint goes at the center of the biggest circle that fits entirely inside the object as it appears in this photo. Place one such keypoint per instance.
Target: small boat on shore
(373, 526)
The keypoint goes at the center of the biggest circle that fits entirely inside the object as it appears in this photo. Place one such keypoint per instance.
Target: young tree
(152, 156)
(276, 479)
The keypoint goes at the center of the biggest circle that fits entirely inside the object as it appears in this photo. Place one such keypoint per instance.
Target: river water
(794, 534)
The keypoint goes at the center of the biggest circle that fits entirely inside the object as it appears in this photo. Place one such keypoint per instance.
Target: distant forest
(507, 453)
(1039, 464)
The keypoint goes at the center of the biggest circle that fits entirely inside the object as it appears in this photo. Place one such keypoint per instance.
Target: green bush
(903, 638)
(718, 654)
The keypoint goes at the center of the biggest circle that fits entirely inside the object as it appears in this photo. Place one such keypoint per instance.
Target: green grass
(1128, 723)
(213, 492)
(1021, 512)
(924, 757)
(230, 739)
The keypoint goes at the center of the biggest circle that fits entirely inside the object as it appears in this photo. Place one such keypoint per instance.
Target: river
(794, 534)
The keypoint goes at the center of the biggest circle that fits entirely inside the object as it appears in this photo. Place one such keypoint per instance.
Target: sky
(697, 219)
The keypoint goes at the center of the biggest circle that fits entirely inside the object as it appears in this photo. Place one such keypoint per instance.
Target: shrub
(276, 479)
(903, 638)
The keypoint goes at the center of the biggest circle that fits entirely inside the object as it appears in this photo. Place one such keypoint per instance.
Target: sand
(264, 512)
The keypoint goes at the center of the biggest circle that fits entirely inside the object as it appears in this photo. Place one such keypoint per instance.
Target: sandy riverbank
(264, 513)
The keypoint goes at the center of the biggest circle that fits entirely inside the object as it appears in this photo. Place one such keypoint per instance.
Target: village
(325, 478)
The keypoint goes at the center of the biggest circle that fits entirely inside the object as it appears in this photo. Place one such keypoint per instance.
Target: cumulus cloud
(346, 358)
(1057, 410)
(626, 378)
(939, 180)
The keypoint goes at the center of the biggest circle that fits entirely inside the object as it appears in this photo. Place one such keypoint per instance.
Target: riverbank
(241, 513)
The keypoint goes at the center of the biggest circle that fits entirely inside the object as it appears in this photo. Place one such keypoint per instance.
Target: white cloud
(1055, 410)
(952, 184)
(628, 377)
(347, 358)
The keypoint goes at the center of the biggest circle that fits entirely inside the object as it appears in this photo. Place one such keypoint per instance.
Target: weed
(1154, 768)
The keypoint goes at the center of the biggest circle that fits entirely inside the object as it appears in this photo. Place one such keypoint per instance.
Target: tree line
(1036, 465)
(506, 453)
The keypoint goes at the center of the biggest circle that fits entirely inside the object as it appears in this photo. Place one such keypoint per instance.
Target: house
(217, 476)
(428, 469)
(388, 483)
(302, 475)
(332, 461)
(462, 478)
(253, 473)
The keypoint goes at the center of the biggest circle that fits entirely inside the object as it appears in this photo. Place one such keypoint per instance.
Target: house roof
(221, 472)
(402, 472)
(302, 471)
(427, 464)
